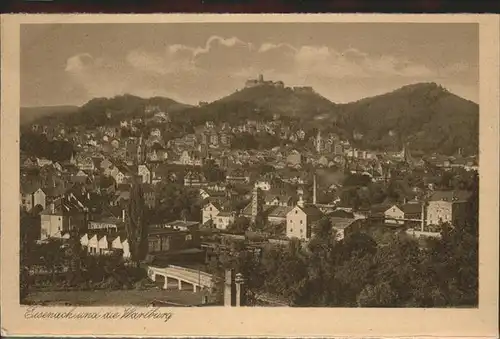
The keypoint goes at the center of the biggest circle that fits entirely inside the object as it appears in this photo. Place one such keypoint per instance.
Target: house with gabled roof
(194, 179)
(300, 221)
(42, 162)
(403, 213)
(447, 206)
(279, 199)
(32, 195)
(145, 172)
(62, 215)
(344, 226)
(210, 211)
(30, 162)
(86, 163)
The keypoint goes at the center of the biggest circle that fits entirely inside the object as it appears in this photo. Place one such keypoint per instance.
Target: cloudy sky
(72, 63)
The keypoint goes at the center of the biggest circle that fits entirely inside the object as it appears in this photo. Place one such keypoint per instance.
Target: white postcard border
(295, 322)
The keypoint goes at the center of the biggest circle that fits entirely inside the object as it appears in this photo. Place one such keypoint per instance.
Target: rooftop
(452, 196)
(341, 223)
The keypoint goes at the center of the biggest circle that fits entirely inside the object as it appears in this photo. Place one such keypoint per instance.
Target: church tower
(406, 155)
(318, 142)
(257, 203)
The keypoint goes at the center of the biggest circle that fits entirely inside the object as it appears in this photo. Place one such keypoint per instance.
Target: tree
(259, 222)
(454, 260)
(240, 225)
(380, 295)
(135, 224)
(52, 255)
(173, 200)
(212, 172)
(76, 258)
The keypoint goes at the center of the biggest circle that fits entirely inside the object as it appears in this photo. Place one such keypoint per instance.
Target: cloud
(203, 72)
(267, 46)
(79, 63)
(214, 40)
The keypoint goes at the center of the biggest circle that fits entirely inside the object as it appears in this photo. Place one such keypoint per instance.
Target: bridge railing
(188, 275)
(190, 270)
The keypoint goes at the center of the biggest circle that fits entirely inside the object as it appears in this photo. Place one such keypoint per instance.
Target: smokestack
(123, 215)
(314, 190)
(422, 226)
(52, 208)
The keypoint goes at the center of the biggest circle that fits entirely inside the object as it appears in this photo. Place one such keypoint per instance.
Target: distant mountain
(425, 115)
(30, 114)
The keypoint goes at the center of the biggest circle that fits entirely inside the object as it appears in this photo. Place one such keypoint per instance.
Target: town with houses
(279, 194)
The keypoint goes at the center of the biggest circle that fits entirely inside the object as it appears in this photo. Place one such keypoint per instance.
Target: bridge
(195, 278)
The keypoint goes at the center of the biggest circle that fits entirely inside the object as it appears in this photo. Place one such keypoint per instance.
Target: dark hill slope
(95, 112)
(426, 115)
(285, 101)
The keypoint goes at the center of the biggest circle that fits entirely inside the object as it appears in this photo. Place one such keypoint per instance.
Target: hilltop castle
(278, 84)
(261, 82)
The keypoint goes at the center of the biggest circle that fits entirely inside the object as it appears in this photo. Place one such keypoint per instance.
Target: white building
(209, 212)
(263, 185)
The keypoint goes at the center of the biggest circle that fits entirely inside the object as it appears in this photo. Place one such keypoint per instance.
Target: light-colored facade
(32, 199)
(394, 215)
(296, 224)
(209, 212)
(223, 220)
(294, 158)
(121, 243)
(439, 212)
(145, 173)
(263, 185)
(446, 207)
(52, 226)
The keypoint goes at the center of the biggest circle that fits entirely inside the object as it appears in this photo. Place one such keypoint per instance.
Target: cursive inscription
(77, 313)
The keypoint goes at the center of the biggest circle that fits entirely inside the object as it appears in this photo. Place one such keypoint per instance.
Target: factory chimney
(314, 190)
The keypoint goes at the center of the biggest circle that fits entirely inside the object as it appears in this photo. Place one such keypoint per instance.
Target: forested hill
(426, 115)
(32, 114)
(107, 111)
(298, 103)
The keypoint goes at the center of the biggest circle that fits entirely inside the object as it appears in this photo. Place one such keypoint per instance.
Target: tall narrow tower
(406, 155)
(318, 142)
(256, 203)
(314, 189)
(139, 152)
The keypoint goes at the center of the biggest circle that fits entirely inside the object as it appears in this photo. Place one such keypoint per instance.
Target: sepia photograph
(249, 164)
